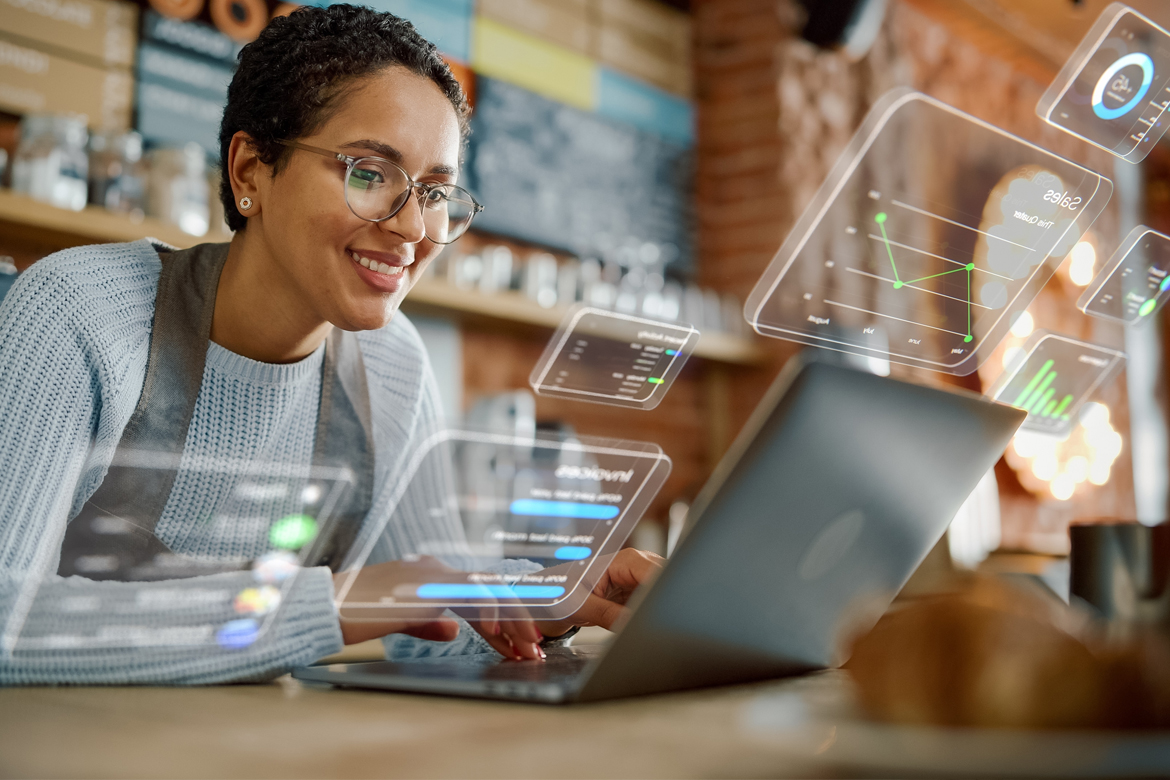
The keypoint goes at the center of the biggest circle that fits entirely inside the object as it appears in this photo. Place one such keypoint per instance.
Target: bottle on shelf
(178, 188)
(117, 178)
(50, 164)
(7, 275)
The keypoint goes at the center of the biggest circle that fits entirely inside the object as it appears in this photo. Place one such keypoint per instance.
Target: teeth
(374, 265)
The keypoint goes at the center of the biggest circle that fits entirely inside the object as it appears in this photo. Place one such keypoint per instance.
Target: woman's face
(315, 239)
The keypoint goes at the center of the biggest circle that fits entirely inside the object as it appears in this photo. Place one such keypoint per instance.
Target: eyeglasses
(377, 189)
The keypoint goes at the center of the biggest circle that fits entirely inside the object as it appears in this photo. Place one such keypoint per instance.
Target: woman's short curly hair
(291, 77)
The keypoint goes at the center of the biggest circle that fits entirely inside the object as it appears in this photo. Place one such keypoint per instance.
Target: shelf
(23, 217)
(54, 228)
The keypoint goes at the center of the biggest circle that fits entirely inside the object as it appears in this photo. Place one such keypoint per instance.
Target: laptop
(836, 489)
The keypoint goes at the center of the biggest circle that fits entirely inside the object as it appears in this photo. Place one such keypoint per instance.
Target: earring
(245, 203)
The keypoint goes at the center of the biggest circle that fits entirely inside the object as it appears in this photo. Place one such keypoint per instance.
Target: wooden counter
(284, 729)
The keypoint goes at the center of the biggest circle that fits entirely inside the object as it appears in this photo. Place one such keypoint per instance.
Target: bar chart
(1054, 379)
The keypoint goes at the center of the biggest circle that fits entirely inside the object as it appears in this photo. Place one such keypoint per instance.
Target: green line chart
(880, 218)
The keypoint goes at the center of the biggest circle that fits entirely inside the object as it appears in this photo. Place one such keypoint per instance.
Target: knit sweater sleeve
(72, 360)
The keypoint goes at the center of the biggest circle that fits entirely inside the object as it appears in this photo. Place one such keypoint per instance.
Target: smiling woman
(177, 376)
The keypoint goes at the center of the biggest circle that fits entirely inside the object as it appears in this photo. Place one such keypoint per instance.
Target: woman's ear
(244, 169)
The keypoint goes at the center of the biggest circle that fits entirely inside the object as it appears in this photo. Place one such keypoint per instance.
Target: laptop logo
(830, 545)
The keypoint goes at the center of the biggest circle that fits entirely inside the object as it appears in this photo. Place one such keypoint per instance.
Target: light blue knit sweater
(74, 338)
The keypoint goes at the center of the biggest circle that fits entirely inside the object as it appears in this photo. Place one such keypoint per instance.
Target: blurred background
(638, 155)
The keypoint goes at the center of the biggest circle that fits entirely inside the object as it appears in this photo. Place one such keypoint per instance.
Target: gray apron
(134, 497)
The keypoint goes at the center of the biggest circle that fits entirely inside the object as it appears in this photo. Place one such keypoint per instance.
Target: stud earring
(245, 203)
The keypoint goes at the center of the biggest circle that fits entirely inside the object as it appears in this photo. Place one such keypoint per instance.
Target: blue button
(460, 590)
(237, 634)
(532, 506)
(572, 553)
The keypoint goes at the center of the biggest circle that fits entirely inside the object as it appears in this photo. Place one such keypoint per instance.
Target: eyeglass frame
(412, 185)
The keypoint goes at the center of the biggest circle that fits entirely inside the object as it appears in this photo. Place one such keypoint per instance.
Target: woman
(340, 145)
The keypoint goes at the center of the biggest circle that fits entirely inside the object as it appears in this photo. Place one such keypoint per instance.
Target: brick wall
(774, 115)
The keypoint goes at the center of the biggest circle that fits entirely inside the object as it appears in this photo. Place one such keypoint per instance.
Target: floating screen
(1055, 378)
(262, 520)
(1114, 90)
(516, 526)
(932, 233)
(1133, 285)
(611, 358)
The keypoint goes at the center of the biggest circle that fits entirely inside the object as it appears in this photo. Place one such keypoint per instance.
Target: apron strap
(113, 536)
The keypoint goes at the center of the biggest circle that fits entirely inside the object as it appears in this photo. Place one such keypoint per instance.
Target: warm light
(1058, 466)
(1062, 487)
(1023, 325)
(1026, 445)
(1084, 259)
(1095, 415)
(1045, 466)
(1013, 356)
(1077, 468)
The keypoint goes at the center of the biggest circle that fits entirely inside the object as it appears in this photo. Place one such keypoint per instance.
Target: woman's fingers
(630, 568)
(597, 611)
(508, 644)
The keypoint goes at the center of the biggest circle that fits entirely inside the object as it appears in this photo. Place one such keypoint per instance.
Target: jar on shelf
(7, 275)
(50, 164)
(117, 179)
(178, 193)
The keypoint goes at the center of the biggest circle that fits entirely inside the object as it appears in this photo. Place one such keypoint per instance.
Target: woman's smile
(384, 272)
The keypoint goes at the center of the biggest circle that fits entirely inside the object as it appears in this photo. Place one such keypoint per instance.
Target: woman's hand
(605, 605)
(518, 639)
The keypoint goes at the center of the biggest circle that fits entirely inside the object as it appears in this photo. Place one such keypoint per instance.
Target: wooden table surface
(805, 727)
(285, 729)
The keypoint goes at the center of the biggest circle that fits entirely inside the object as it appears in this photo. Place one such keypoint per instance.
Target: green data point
(880, 217)
(292, 532)
(967, 339)
(970, 266)
(897, 285)
(1147, 307)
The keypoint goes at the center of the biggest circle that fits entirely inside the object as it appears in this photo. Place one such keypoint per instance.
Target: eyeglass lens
(374, 190)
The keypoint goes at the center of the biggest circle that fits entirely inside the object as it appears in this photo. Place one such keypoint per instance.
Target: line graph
(924, 252)
(880, 218)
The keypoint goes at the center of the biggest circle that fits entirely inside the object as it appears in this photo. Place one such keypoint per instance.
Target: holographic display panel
(922, 251)
(1054, 379)
(521, 526)
(1134, 284)
(1114, 90)
(612, 358)
(272, 517)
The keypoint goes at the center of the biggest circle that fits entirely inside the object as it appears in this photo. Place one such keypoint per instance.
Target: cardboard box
(102, 32)
(649, 19)
(34, 81)
(569, 24)
(648, 58)
(537, 65)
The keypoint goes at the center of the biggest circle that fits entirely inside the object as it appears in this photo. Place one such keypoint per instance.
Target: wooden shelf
(24, 217)
(54, 228)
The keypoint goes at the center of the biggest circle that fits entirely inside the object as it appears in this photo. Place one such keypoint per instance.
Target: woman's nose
(408, 222)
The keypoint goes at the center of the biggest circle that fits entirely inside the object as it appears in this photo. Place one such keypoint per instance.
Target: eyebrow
(392, 154)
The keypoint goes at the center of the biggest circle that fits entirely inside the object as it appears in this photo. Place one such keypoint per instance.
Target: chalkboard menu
(562, 177)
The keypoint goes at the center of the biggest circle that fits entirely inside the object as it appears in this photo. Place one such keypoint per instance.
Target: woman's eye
(435, 199)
